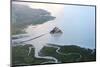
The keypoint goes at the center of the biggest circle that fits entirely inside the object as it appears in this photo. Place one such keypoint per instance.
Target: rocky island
(56, 30)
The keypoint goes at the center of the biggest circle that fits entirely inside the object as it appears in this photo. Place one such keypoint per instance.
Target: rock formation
(55, 30)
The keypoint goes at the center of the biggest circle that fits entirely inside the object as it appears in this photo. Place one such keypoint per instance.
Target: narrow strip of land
(33, 38)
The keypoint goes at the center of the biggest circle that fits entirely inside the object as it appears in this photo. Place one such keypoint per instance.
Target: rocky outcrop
(55, 30)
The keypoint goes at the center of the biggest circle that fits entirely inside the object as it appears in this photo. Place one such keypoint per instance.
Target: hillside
(23, 15)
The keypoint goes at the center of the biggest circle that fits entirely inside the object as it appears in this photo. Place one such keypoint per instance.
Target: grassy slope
(73, 54)
(20, 55)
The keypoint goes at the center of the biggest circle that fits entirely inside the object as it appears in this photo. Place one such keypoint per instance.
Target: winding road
(53, 59)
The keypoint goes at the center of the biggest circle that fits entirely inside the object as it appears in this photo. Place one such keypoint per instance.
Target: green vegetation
(70, 54)
(20, 56)
(65, 54)
(23, 16)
